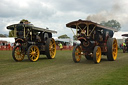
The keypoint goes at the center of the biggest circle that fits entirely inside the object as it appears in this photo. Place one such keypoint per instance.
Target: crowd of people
(61, 46)
(124, 45)
(4, 45)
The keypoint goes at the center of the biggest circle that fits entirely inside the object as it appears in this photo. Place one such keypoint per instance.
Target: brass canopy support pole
(24, 30)
(15, 31)
(87, 29)
(79, 27)
(31, 36)
(76, 29)
(72, 31)
(31, 33)
(84, 27)
(92, 30)
(12, 34)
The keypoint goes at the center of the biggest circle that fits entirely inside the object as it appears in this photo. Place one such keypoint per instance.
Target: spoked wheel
(18, 54)
(33, 53)
(112, 49)
(76, 54)
(97, 54)
(50, 48)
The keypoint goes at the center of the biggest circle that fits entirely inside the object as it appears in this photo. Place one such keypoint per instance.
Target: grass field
(63, 71)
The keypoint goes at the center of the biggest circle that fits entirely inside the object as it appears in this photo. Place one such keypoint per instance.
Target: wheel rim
(98, 54)
(78, 54)
(19, 55)
(114, 48)
(34, 53)
(52, 48)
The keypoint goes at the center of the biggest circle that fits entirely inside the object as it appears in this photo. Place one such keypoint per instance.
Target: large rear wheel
(18, 53)
(97, 54)
(50, 48)
(76, 54)
(33, 53)
(112, 49)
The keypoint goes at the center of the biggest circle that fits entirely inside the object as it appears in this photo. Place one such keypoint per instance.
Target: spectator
(60, 46)
(124, 44)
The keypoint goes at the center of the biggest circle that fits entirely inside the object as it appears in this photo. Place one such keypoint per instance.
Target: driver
(83, 32)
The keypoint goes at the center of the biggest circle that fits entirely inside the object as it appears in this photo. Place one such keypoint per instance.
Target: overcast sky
(54, 14)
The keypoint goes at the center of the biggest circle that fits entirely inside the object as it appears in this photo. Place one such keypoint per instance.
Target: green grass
(63, 71)
(8, 65)
(117, 77)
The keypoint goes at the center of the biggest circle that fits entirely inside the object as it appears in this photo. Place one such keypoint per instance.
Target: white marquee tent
(118, 35)
(8, 39)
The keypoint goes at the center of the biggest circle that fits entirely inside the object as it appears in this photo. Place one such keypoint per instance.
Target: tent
(118, 35)
(8, 39)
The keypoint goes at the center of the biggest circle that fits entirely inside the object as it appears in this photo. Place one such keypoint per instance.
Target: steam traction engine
(125, 47)
(96, 40)
(32, 41)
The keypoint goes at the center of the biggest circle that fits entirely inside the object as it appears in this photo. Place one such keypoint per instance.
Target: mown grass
(8, 65)
(63, 71)
(117, 77)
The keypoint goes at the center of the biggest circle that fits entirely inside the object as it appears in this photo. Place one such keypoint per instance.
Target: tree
(63, 36)
(3, 35)
(25, 21)
(112, 23)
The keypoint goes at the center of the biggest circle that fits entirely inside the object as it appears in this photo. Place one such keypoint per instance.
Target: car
(96, 40)
(32, 41)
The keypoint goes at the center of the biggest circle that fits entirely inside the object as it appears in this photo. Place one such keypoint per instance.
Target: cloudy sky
(54, 14)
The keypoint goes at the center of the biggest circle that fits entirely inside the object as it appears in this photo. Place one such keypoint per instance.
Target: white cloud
(117, 12)
(54, 14)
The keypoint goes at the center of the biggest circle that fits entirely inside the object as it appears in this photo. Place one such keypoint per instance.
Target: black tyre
(50, 48)
(112, 49)
(76, 54)
(18, 54)
(97, 54)
(33, 53)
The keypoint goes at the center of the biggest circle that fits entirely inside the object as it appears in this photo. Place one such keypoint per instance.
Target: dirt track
(59, 71)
